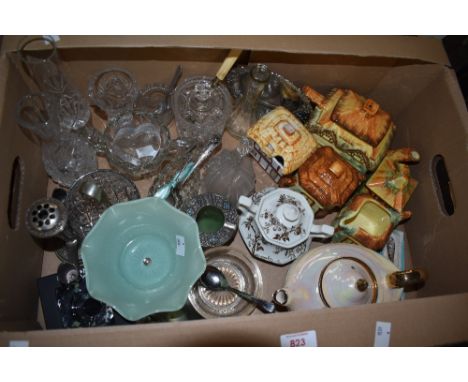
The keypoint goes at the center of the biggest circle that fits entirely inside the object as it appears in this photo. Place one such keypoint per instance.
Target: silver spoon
(215, 280)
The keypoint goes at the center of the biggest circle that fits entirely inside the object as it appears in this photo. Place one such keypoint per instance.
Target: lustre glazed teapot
(340, 275)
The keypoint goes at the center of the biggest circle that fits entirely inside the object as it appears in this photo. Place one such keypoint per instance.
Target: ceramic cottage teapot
(339, 275)
(284, 218)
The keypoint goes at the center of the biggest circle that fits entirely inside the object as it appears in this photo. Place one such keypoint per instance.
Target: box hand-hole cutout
(16, 181)
(442, 185)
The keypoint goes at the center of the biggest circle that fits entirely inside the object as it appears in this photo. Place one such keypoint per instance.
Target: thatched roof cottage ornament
(325, 179)
(282, 143)
(356, 127)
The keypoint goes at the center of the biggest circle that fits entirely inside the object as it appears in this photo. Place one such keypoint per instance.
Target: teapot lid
(347, 281)
(284, 218)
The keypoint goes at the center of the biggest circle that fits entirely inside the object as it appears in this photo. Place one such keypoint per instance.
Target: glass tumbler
(40, 56)
(42, 61)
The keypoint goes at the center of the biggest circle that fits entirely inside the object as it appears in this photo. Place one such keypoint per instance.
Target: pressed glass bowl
(142, 257)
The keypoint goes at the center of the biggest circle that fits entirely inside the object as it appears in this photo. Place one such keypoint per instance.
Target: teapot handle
(410, 280)
(245, 205)
(322, 231)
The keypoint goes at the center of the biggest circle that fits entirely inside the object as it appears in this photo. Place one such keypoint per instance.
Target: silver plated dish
(84, 211)
(216, 217)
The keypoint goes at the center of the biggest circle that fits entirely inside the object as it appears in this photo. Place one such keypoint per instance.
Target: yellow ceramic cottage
(282, 142)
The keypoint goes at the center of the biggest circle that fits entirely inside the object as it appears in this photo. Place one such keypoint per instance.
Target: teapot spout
(410, 280)
(282, 297)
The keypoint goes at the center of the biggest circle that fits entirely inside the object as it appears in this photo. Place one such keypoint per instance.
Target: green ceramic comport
(143, 257)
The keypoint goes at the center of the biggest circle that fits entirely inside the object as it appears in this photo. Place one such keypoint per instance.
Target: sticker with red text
(303, 339)
(382, 333)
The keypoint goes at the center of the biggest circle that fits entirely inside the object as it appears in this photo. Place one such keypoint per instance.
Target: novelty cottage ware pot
(282, 143)
(356, 127)
(325, 179)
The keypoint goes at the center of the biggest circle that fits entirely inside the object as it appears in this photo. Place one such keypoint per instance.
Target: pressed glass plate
(241, 273)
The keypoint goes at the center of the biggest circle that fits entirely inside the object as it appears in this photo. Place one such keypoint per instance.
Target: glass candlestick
(244, 114)
(201, 108)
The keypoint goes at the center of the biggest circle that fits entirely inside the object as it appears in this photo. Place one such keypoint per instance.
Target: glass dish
(135, 144)
(241, 273)
(68, 158)
(142, 257)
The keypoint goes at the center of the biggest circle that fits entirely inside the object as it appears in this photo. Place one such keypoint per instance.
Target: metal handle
(264, 306)
(410, 280)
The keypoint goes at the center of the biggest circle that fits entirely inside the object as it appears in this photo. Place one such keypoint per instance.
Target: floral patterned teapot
(284, 218)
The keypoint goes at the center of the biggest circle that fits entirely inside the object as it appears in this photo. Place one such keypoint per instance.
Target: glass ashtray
(241, 273)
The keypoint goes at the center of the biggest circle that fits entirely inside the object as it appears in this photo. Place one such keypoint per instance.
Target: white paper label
(180, 245)
(146, 151)
(19, 343)
(292, 340)
(382, 334)
(52, 37)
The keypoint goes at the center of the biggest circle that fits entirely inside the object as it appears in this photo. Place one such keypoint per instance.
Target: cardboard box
(409, 76)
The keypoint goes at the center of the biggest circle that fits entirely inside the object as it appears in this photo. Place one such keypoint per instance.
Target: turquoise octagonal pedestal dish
(142, 257)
